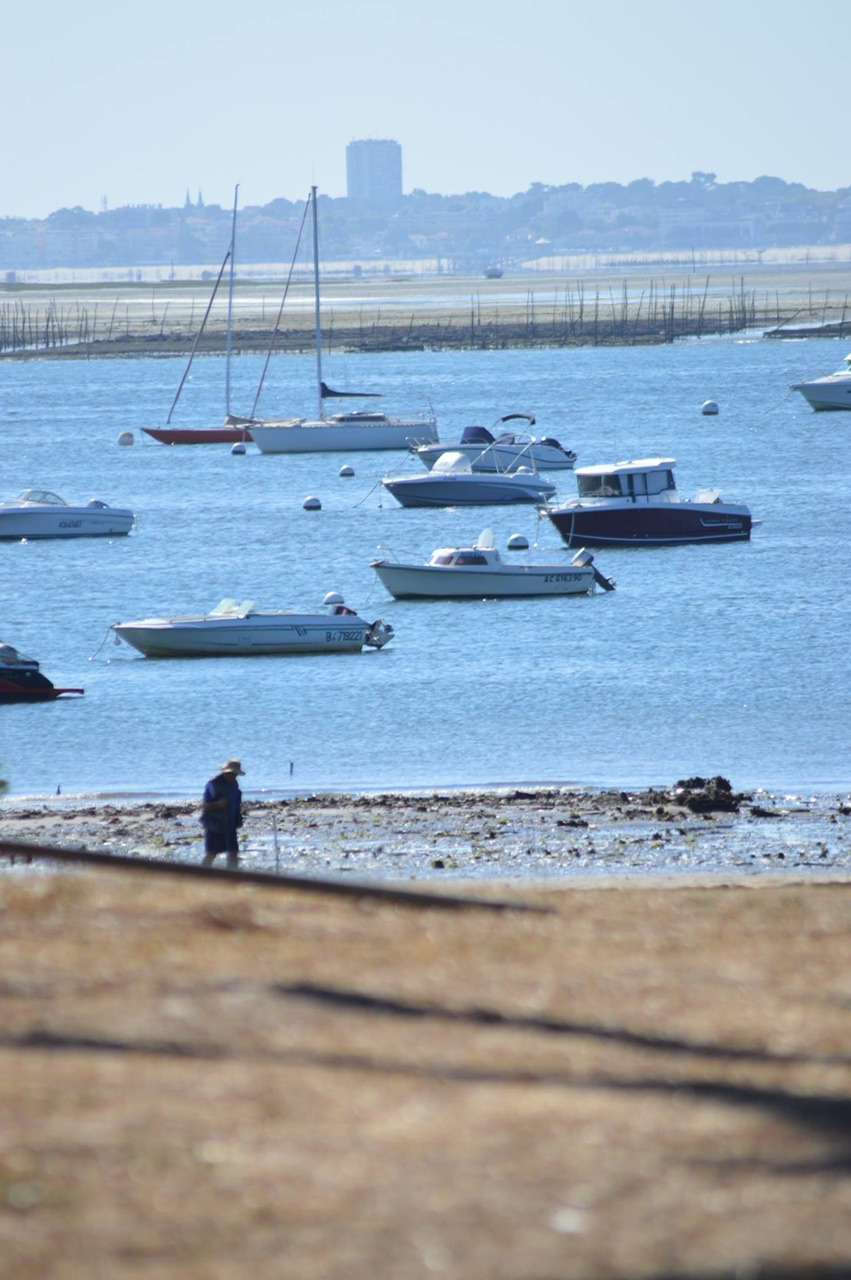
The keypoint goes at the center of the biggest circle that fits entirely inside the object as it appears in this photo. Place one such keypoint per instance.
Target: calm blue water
(730, 660)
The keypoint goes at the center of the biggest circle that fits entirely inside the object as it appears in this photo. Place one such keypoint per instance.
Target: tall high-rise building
(374, 171)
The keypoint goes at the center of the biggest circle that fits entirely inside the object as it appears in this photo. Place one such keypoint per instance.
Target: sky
(106, 104)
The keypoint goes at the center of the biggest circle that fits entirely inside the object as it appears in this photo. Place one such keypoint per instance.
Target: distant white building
(374, 171)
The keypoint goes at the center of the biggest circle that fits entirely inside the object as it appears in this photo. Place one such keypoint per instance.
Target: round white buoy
(312, 504)
(347, 470)
(126, 437)
(709, 406)
(518, 542)
(239, 447)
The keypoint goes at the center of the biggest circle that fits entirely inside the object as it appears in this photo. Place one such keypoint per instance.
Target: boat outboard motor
(583, 558)
(378, 633)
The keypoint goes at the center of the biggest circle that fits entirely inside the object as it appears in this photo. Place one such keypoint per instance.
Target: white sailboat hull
(341, 435)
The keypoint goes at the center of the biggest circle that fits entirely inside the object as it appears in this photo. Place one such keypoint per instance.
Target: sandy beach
(599, 1062)
(612, 1076)
(524, 831)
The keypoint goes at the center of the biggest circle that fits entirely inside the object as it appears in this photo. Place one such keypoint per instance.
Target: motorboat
(240, 629)
(452, 482)
(340, 432)
(636, 504)
(830, 392)
(38, 513)
(478, 572)
(21, 679)
(490, 449)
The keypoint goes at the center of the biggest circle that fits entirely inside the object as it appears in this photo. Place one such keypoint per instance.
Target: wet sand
(505, 833)
(643, 1076)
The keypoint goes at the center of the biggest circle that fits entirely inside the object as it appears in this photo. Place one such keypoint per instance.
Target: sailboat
(358, 430)
(235, 429)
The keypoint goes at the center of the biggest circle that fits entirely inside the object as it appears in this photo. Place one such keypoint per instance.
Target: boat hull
(244, 637)
(669, 524)
(341, 437)
(477, 490)
(65, 522)
(826, 393)
(435, 582)
(198, 435)
(499, 457)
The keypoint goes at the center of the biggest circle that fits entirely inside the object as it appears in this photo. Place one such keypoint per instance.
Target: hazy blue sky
(138, 102)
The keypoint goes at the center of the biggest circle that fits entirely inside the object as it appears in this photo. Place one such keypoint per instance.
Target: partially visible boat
(636, 504)
(38, 513)
(490, 449)
(241, 630)
(452, 482)
(478, 572)
(830, 392)
(21, 679)
(341, 432)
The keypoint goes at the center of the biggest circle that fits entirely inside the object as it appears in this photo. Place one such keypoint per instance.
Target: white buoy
(239, 447)
(518, 542)
(709, 406)
(346, 470)
(126, 437)
(312, 504)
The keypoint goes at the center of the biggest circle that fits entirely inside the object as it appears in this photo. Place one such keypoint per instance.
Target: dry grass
(219, 1081)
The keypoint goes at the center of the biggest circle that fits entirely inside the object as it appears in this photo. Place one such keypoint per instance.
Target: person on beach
(221, 814)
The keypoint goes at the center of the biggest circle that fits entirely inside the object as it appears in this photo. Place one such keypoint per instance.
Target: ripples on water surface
(728, 659)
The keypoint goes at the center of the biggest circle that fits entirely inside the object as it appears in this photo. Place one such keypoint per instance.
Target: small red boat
(22, 681)
(236, 434)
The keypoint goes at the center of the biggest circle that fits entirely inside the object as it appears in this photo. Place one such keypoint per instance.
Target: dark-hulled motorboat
(636, 504)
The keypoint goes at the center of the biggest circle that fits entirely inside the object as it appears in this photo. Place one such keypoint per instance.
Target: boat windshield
(42, 496)
(600, 486)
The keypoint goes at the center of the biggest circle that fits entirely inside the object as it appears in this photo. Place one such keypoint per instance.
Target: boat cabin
(647, 477)
(459, 556)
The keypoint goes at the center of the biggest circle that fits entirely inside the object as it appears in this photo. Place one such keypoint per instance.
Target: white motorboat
(341, 432)
(37, 513)
(636, 504)
(503, 451)
(452, 482)
(242, 630)
(830, 392)
(479, 572)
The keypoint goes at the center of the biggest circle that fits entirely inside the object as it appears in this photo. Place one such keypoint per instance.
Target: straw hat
(231, 766)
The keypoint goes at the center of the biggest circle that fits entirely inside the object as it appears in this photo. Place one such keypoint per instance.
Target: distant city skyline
(132, 108)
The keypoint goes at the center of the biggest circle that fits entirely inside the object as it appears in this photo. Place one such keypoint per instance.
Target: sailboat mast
(230, 305)
(316, 318)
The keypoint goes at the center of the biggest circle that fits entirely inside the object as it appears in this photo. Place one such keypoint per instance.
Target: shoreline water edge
(697, 826)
